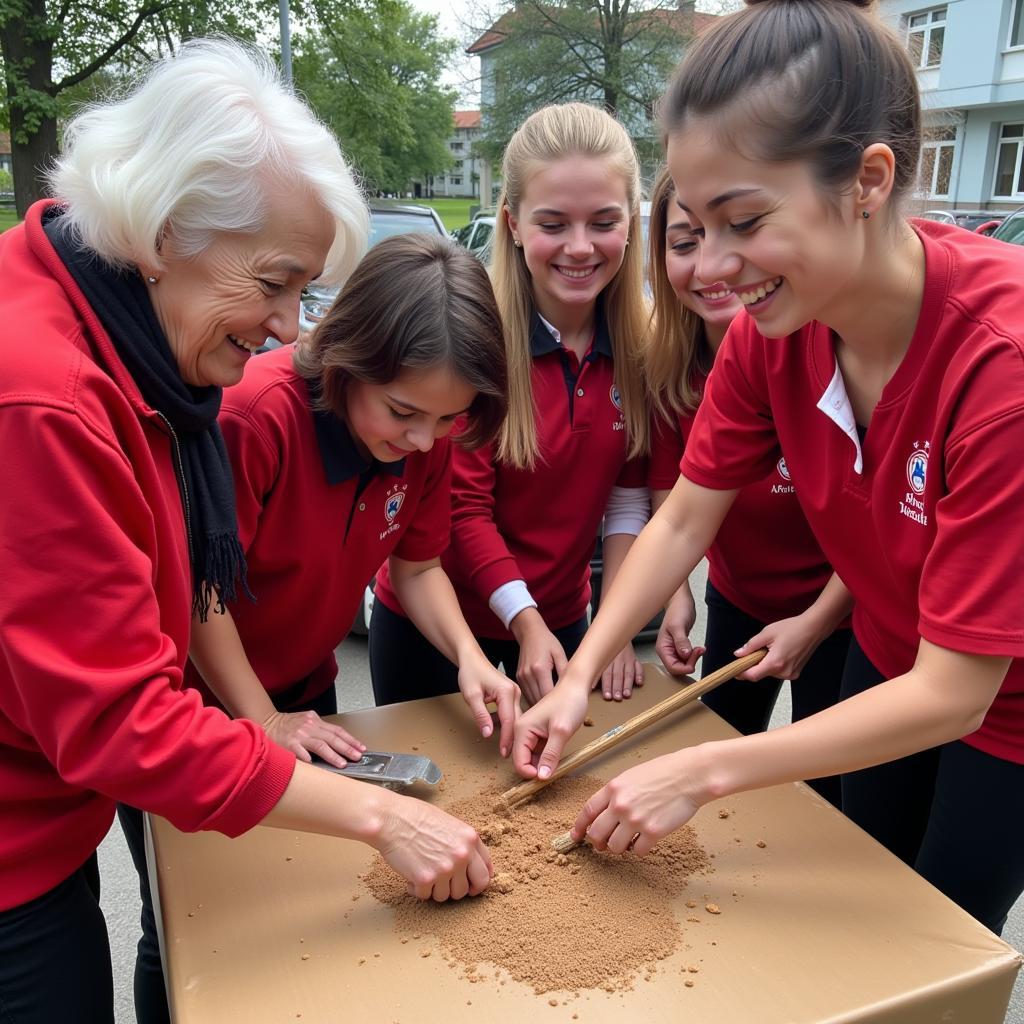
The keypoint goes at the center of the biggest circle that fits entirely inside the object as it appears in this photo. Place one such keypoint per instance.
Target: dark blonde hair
(555, 133)
(811, 80)
(676, 343)
(416, 301)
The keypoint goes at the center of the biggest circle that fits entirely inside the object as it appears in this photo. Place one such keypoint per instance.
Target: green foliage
(372, 74)
(6, 181)
(613, 53)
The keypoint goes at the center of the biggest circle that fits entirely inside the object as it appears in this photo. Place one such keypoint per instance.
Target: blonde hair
(676, 345)
(554, 133)
(194, 147)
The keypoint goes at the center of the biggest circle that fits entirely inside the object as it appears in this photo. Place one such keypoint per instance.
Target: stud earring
(151, 279)
(517, 243)
(865, 214)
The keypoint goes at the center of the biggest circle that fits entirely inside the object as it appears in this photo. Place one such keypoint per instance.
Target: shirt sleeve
(733, 442)
(429, 532)
(972, 584)
(666, 453)
(478, 550)
(627, 511)
(89, 672)
(255, 465)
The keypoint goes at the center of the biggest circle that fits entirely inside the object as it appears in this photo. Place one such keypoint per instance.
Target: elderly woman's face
(219, 307)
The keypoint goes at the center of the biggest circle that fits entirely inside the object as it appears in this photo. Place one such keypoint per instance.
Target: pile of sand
(554, 921)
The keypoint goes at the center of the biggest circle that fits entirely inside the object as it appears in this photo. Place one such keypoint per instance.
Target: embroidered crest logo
(613, 394)
(392, 505)
(917, 466)
(783, 468)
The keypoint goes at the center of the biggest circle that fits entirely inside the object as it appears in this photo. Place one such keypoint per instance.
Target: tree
(617, 53)
(50, 50)
(372, 73)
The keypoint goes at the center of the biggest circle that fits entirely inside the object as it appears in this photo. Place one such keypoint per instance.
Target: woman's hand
(439, 856)
(541, 657)
(481, 683)
(673, 645)
(305, 733)
(639, 807)
(625, 672)
(543, 731)
(790, 643)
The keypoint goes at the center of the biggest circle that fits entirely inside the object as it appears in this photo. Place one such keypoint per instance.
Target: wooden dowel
(614, 736)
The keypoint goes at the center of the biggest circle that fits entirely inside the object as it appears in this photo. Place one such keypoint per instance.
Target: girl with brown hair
(758, 594)
(884, 357)
(568, 279)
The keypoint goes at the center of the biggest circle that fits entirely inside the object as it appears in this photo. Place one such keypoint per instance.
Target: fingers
(585, 819)
(526, 742)
(551, 754)
(477, 705)
(638, 676)
(479, 874)
(507, 700)
(561, 662)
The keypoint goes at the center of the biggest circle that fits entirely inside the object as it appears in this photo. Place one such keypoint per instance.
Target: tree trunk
(28, 60)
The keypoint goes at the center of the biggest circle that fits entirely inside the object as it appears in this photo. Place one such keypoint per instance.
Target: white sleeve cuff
(510, 599)
(627, 511)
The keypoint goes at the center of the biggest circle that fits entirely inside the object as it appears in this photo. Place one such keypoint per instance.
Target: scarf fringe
(223, 564)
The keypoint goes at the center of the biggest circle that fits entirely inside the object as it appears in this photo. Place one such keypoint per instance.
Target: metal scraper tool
(393, 771)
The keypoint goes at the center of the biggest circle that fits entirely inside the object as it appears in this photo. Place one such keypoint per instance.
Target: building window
(455, 181)
(938, 145)
(1009, 172)
(456, 147)
(925, 32)
(1017, 24)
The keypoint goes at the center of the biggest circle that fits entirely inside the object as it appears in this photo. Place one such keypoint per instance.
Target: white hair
(192, 150)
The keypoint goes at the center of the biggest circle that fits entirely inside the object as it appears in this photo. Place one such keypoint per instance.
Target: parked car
(477, 236)
(1012, 228)
(385, 221)
(983, 222)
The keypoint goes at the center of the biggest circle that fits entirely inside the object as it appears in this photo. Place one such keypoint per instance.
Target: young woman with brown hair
(884, 357)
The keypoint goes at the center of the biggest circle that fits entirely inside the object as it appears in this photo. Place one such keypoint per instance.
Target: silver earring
(517, 243)
(151, 279)
(865, 214)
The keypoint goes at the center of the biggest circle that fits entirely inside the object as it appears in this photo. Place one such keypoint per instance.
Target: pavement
(120, 894)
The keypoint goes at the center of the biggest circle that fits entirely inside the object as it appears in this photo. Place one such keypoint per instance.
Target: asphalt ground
(120, 897)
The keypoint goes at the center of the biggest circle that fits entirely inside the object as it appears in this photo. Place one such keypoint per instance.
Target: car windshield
(1011, 230)
(385, 223)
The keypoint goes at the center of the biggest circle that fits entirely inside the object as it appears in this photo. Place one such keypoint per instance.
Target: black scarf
(120, 300)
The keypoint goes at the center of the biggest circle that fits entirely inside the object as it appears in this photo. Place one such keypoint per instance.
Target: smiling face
(220, 306)
(389, 421)
(765, 231)
(573, 223)
(713, 301)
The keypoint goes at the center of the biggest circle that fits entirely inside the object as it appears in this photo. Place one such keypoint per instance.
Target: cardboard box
(833, 928)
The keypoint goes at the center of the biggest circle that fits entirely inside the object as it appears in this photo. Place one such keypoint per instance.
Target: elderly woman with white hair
(190, 216)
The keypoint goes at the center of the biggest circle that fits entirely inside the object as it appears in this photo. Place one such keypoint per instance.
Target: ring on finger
(633, 842)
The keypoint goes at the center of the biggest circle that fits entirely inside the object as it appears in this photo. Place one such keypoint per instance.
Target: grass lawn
(8, 218)
(453, 212)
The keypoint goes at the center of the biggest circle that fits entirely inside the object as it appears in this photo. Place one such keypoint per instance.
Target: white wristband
(510, 599)
(627, 511)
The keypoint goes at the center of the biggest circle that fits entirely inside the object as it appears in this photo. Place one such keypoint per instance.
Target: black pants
(150, 990)
(55, 956)
(748, 707)
(404, 665)
(954, 813)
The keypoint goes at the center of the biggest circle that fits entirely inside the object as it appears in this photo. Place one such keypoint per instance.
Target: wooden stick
(613, 737)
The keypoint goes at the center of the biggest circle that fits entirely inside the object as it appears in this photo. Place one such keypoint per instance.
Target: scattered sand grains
(583, 904)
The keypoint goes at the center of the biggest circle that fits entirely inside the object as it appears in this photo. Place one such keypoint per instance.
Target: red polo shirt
(540, 525)
(316, 520)
(765, 559)
(925, 522)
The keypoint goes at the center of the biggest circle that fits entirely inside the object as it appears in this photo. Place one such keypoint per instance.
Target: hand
(480, 683)
(639, 807)
(439, 856)
(622, 675)
(541, 657)
(673, 645)
(305, 733)
(543, 731)
(790, 643)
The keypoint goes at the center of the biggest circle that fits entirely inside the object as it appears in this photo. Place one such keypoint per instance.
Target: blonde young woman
(567, 273)
(765, 569)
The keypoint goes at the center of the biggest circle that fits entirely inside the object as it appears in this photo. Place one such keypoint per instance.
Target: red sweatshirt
(923, 522)
(95, 600)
